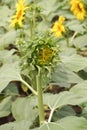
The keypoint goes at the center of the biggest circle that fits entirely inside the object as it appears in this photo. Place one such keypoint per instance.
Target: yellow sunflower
(58, 27)
(18, 18)
(78, 9)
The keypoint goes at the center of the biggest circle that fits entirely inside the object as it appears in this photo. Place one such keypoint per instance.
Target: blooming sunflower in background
(58, 27)
(18, 18)
(78, 9)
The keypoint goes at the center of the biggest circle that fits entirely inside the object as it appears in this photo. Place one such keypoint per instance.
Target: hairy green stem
(40, 98)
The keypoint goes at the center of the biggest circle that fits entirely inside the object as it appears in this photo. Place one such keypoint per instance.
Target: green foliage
(34, 62)
(5, 107)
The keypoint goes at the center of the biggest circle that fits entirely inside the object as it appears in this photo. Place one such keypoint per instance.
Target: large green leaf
(25, 109)
(62, 99)
(5, 107)
(73, 123)
(63, 112)
(74, 62)
(80, 41)
(8, 73)
(11, 89)
(7, 38)
(76, 26)
(21, 125)
(7, 56)
(64, 76)
(5, 12)
(48, 6)
(80, 89)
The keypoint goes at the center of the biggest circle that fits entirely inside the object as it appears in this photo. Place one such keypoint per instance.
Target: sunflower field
(43, 64)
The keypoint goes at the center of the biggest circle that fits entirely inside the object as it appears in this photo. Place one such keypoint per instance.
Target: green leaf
(74, 62)
(7, 38)
(25, 109)
(51, 126)
(80, 89)
(73, 123)
(64, 76)
(11, 89)
(48, 6)
(76, 26)
(8, 73)
(5, 13)
(80, 41)
(5, 107)
(62, 99)
(21, 125)
(63, 112)
(7, 56)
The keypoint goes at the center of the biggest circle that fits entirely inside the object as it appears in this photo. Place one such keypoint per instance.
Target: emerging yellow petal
(78, 9)
(58, 27)
(18, 18)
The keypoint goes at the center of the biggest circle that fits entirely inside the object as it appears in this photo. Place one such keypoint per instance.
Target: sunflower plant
(43, 76)
(39, 53)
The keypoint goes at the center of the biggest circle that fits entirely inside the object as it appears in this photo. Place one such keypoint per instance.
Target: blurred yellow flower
(18, 18)
(58, 27)
(78, 9)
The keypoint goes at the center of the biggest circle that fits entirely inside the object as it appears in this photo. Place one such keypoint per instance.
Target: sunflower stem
(40, 98)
